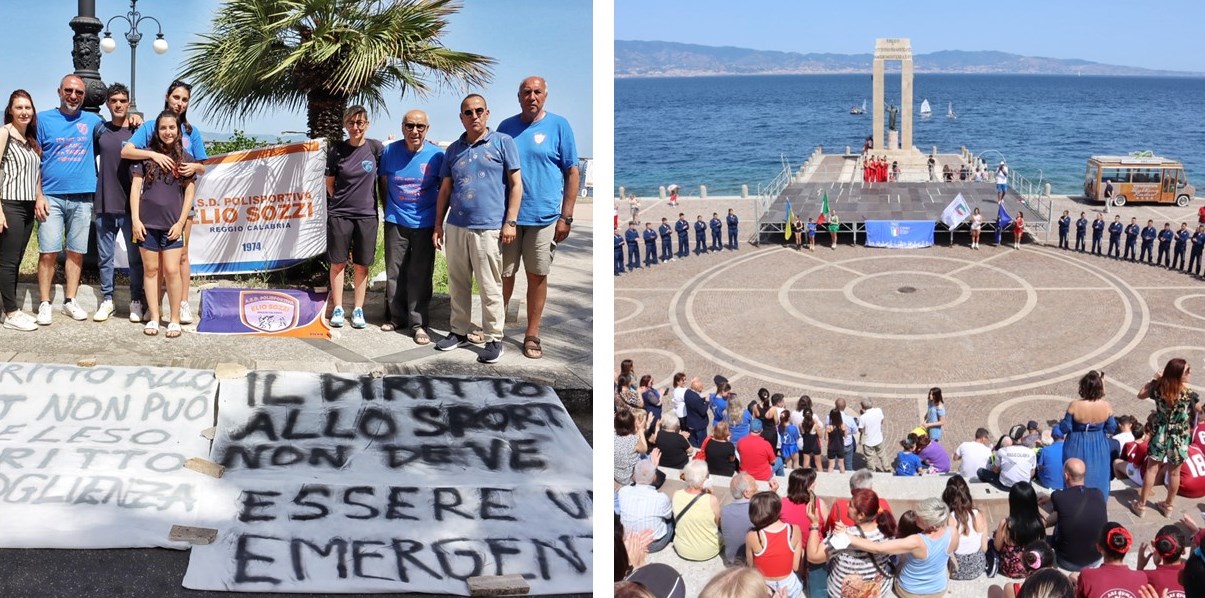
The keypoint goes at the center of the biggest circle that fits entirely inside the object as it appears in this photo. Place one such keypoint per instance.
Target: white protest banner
(955, 212)
(93, 457)
(398, 484)
(261, 209)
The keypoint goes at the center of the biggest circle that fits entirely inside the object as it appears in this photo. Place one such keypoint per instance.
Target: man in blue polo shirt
(1148, 241)
(68, 187)
(732, 223)
(1115, 229)
(409, 179)
(682, 227)
(1194, 254)
(1181, 245)
(480, 194)
(667, 242)
(715, 225)
(1132, 231)
(548, 153)
(1165, 245)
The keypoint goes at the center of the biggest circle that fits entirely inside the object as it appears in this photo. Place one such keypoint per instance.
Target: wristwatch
(567, 219)
(513, 223)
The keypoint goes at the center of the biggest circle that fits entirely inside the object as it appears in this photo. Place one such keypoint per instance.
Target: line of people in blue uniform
(633, 236)
(1173, 244)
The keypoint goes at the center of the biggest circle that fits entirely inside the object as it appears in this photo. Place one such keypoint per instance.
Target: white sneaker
(103, 311)
(136, 312)
(185, 313)
(44, 313)
(73, 309)
(20, 321)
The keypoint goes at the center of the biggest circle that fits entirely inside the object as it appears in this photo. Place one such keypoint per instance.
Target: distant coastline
(658, 59)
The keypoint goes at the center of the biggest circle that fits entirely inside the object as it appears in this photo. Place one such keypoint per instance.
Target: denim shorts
(70, 214)
(156, 240)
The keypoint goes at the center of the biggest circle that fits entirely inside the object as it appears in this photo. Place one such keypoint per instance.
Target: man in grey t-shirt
(734, 517)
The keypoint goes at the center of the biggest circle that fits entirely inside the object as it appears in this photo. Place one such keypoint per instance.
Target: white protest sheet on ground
(260, 209)
(94, 457)
(345, 484)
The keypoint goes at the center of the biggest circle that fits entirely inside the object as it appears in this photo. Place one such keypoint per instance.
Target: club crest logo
(82, 128)
(367, 165)
(268, 311)
(539, 138)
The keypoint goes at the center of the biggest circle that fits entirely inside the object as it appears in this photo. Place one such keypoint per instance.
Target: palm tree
(323, 54)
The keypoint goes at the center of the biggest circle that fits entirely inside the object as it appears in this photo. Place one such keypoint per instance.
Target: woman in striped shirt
(854, 572)
(20, 185)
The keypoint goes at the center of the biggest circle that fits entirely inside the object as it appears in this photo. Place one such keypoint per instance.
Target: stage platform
(855, 203)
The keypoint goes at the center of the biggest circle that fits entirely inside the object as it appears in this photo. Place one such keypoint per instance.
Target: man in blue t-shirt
(1064, 228)
(1132, 231)
(715, 224)
(111, 205)
(632, 238)
(1050, 462)
(667, 241)
(1098, 233)
(1148, 241)
(1115, 229)
(1081, 229)
(650, 244)
(548, 153)
(700, 235)
(1194, 254)
(479, 195)
(64, 207)
(682, 227)
(1182, 237)
(409, 181)
(1165, 245)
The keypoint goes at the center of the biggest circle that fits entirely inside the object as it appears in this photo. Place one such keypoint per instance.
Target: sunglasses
(415, 126)
(179, 83)
(73, 92)
(470, 112)
(357, 123)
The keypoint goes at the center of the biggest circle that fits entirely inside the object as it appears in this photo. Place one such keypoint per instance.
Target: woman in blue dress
(1088, 424)
(935, 415)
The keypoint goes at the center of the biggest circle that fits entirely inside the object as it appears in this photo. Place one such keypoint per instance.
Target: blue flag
(1002, 217)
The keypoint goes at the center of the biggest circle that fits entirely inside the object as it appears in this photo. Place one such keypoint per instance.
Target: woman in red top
(1113, 577)
(1018, 229)
(1165, 550)
(774, 548)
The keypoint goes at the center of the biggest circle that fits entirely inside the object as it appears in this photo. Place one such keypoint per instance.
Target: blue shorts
(1001, 187)
(156, 240)
(69, 214)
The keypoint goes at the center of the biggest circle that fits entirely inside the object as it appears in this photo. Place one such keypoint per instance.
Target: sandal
(173, 330)
(421, 337)
(151, 328)
(1164, 508)
(1138, 507)
(477, 337)
(532, 348)
(388, 327)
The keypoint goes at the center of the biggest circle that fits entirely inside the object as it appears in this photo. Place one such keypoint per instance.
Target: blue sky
(551, 38)
(1164, 35)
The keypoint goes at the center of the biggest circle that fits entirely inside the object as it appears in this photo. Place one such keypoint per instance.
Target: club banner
(349, 484)
(899, 234)
(261, 209)
(263, 312)
(94, 457)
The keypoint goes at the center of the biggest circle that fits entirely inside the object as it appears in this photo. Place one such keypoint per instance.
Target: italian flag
(823, 210)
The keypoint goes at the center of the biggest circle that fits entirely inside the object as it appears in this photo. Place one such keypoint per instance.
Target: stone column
(906, 100)
(877, 122)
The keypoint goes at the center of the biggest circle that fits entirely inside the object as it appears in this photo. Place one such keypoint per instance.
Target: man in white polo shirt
(871, 423)
(974, 455)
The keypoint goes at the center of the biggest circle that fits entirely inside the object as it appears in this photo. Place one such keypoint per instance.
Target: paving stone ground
(567, 331)
(1005, 333)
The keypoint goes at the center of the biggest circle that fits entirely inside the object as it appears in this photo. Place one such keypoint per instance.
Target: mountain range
(672, 59)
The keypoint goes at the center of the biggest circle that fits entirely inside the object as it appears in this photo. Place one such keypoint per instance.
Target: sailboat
(925, 110)
(857, 110)
(950, 112)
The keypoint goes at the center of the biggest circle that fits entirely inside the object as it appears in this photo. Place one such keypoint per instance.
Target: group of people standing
(69, 169)
(876, 170)
(1173, 244)
(632, 237)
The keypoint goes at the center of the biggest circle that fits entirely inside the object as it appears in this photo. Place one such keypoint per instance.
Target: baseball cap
(755, 426)
(1032, 425)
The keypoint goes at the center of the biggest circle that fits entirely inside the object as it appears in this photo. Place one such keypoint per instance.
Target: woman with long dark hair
(773, 547)
(139, 148)
(971, 525)
(159, 203)
(1023, 525)
(1087, 425)
(836, 440)
(20, 184)
(803, 508)
(771, 406)
(935, 415)
(1168, 447)
(923, 556)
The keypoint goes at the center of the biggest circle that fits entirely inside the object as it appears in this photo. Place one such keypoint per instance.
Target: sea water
(727, 131)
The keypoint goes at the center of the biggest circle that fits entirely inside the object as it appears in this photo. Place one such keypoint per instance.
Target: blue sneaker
(337, 318)
(357, 318)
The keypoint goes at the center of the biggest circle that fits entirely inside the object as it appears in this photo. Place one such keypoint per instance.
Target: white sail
(950, 111)
(924, 107)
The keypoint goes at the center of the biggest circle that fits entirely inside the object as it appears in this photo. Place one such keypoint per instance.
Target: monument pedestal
(893, 140)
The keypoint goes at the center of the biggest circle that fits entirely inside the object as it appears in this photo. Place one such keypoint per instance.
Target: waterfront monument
(893, 49)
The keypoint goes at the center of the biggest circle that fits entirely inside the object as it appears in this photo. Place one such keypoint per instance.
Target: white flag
(956, 212)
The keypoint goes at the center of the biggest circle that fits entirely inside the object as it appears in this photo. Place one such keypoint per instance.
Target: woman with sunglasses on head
(20, 186)
(139, 148)
(1087, 425)
(1168, 447)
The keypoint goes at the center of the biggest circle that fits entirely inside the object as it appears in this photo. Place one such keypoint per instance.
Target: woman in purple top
(933, 454)
(159, 202)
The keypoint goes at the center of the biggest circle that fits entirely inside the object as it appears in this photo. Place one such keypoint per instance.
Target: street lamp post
(133, 36)
(84, 54)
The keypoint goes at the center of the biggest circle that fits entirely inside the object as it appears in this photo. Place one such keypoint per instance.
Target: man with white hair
(642, 507)
(871, 424)
(734, 517)
(840, 509)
